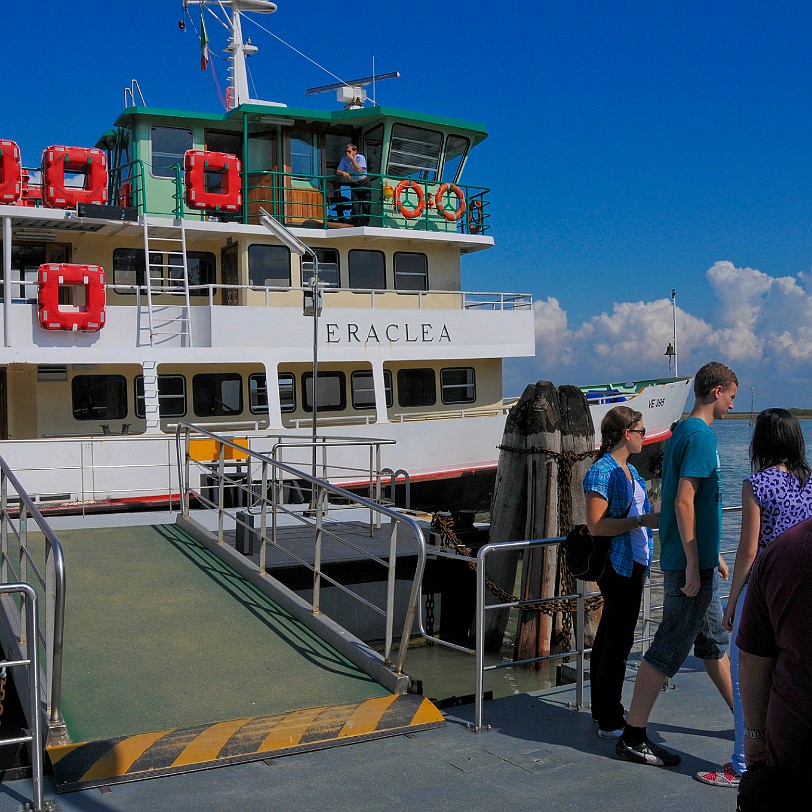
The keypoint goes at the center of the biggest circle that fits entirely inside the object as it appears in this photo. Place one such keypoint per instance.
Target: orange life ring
(197, 163)
(475, 217)
(90, 161)
(10, 172)
(451, 216)
(51, 317)
(409, 214)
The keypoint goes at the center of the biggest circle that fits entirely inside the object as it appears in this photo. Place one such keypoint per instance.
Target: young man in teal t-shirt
(690, 533)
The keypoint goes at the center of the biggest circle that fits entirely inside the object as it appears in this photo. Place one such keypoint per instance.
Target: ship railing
(23, 598)
(651, 614)
(478, 411)
(290, 296)
(32, 557)
(325, 201)
(270, 511)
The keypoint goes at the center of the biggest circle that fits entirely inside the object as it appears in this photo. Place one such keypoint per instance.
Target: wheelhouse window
(202, 271)
(217, 394)
(331, 389)
(305, 156)
(169, 145)
(363, 389)
(367, 269)
(328, 268)
(411, 271)
(171, 396)
(99, 397)
(129, 267)
(373, 149)
(269, 266)
(457, 385)
(414, 153)
(416, 387)
(455, 149)
(257, 394)
(26, 257)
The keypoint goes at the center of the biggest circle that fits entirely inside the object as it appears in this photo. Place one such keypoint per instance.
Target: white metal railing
(271, 510)
(29, 661)
(212, 294)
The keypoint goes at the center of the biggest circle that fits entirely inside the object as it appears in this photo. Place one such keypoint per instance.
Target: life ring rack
(402, 208)
(451, 216)
(58, 160)
(51, 276)
(10, 172)
(197, 164)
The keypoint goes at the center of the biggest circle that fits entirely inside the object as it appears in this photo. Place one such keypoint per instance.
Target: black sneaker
(646, 753)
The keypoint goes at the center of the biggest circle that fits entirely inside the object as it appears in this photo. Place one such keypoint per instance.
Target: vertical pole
(390, 589)
(314, 284)
(7, 281)
(674, 313)
(317, 552)
(221, 492)
(263, 515)
(4, 527)
(580, 619)
(32, 646)
(480, 639)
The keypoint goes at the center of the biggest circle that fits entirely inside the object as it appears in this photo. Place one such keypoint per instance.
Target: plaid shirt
(606, 478)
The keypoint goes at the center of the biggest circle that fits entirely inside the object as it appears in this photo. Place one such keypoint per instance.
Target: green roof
(362, 117)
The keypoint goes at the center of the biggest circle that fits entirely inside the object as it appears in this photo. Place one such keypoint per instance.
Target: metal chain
(430, 613)
(2, 692)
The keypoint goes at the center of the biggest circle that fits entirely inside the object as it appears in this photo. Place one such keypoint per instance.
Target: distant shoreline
(746, 415)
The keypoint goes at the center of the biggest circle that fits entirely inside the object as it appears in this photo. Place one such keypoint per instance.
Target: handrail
(320, 489)
(33, 738)
(52, 583)
(579, 652)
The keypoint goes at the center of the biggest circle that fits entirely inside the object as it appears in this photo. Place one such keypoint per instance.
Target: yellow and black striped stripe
(145, 755)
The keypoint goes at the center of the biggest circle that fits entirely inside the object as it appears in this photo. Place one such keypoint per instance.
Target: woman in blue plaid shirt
(617, 505)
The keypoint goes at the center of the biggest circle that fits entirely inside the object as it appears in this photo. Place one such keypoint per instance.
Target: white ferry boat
(146, 281)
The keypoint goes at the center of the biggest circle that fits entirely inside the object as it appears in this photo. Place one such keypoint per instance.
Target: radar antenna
(352, 93)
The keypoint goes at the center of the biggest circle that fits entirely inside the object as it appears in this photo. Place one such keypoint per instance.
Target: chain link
(566, 606)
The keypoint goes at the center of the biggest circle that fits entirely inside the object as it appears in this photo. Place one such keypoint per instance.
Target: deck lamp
(311, 307)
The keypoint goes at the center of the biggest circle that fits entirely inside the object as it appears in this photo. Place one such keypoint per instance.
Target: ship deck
(539, 753)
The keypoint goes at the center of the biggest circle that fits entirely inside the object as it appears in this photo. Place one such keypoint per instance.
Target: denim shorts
(687, 621)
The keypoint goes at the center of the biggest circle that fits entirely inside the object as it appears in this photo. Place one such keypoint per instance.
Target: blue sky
(634, 147)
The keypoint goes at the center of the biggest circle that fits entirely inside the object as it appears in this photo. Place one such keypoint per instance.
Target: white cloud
(761, 326)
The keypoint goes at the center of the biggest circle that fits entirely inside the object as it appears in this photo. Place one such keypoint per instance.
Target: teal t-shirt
(691, 452)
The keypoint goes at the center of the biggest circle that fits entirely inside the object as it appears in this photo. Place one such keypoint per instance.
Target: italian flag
(204, 43)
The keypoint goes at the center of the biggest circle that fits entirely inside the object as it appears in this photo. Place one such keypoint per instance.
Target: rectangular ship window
(171, 396)
(169, 145)
(363, 389)
(458, 385)
(332, 397)
(411, 271)
(217, 394)
(417, 387)
(99, 397)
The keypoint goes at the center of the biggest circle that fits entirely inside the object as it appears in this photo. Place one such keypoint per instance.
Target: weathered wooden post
(577, 441)
(543, 447)
(530, 415)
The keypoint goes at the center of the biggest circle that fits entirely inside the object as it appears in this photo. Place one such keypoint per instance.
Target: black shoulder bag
(587, 554)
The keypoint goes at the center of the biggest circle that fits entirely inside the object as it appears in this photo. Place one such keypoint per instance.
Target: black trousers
(361, 195)
(613, 642)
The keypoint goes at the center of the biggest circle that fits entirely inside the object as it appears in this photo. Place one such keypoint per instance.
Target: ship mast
(237, 48)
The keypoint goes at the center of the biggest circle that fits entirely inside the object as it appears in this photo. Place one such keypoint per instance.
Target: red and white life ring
(91, 318)
(449, 215)
(197, 163)
(91, 162)
(402, 208)
(11, 172)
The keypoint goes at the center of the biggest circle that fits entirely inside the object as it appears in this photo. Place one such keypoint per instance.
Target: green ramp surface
(159, 633)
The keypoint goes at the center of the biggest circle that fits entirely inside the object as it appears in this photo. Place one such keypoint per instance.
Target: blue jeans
(737, 760)
(688, 621)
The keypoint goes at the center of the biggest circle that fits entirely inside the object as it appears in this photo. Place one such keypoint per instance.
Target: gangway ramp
(174, 662)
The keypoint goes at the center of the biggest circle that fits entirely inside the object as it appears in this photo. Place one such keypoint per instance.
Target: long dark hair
(614, 424)
(778, 440)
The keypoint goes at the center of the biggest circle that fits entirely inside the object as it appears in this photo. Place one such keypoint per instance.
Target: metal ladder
(167, 321)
